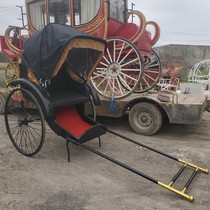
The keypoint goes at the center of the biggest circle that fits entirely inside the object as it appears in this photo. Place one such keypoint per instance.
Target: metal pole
(132, 16)
(143, 145)
(114, 161)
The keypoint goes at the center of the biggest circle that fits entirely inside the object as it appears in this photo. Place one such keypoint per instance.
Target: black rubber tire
(2, 104)
(145, 118)
(24, 120)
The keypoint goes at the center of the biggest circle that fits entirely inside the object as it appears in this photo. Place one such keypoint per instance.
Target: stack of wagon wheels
(12, 72)
(11, 46)
(14, 42)
(129, 66)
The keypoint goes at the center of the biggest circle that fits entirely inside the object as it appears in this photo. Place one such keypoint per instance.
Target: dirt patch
(48, 181)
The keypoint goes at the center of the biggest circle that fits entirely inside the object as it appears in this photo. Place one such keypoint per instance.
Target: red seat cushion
(69, 119)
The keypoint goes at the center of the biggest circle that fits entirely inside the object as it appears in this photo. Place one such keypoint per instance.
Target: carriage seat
(65, 91)
(124, 30)
(77, 124)
(67, 98)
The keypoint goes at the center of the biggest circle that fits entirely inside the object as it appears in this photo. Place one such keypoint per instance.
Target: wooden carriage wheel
(152, 72)
(120, 70)
(12, 72)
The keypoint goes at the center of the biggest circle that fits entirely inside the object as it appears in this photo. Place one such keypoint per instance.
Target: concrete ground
(48, 182)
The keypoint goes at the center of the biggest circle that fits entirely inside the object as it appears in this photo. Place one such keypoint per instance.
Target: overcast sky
(180, 21)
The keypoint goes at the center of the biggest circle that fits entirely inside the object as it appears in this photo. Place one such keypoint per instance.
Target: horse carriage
(57, 64)
(129, 63)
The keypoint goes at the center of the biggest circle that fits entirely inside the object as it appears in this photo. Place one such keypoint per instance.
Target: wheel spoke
(104, 64)
(153, 71)
(152, 65)
(125, 56)
(120, 88)
(132, 78)
(120, 52)
(110, 58)
(114, 51)
(129, 62)
(108, 62)
(102, 81)
(124, 83)
(146, 75)
(102, 74)
(132, 70)
(146, 82)
(107, 85)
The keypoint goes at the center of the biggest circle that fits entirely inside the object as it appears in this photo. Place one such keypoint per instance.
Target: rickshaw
(57, 63)
(129, 63)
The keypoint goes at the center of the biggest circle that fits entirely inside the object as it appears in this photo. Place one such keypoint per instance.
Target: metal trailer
(147, 111)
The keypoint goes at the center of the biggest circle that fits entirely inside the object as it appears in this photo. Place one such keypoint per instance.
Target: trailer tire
(145, 118)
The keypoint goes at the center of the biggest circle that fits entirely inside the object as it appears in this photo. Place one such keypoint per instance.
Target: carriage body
(100, 18)
(54, 88)
(110, 20)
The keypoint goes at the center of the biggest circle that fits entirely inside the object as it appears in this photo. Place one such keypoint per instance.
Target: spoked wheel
(152, 72)
(2, 103)
(90, 109)
(24, 121)
(120, 70)
(12, 72)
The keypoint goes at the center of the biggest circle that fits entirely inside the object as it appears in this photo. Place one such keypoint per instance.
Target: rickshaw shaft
(143, 145)
(114, 161)
(204, 170)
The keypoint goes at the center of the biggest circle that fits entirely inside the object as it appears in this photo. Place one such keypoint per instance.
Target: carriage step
(186, 186)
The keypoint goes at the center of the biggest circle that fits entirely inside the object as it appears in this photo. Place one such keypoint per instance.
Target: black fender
(39, 92)
(94, 95)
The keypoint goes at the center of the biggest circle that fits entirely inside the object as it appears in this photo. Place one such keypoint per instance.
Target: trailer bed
(179, 108)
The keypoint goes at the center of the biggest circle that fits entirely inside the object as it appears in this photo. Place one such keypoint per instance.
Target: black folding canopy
(46, 51)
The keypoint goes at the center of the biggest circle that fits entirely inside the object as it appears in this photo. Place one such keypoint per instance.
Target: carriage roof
(47, 50)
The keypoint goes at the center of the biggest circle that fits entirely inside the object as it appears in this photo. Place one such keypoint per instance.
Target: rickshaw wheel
(24, 121)
(120, 70)
(12, 72)
(2, 104)
(90, 109)
(152, 72)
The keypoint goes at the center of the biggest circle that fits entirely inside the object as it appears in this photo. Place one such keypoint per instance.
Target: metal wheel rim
(143, 119)
(24, 122)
